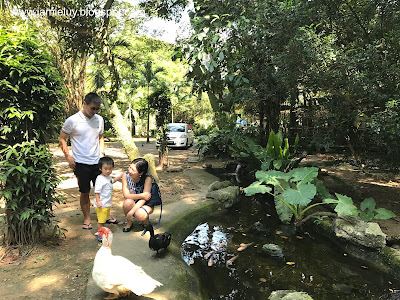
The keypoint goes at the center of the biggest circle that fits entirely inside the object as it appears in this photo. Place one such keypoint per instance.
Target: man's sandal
(87, 226)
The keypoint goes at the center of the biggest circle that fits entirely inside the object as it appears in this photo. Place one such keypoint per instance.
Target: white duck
(116, 274)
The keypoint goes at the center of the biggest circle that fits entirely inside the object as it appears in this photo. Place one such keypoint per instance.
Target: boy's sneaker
(99, 239)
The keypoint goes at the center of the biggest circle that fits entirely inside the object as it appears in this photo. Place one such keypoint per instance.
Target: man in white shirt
(85, 129)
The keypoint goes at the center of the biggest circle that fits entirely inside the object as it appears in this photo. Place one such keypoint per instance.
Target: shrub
(29, 189)
(30, 108)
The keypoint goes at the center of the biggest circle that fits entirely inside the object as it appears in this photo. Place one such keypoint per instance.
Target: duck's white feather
(116, 274)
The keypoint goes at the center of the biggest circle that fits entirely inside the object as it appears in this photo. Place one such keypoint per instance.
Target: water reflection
(205, 243)
(309, 263)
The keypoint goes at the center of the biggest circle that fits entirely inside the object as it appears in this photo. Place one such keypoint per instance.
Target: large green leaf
(302, 196)
(303, 175)
(256, 188)
(271, 177)
(321, 189)
(345, 206)
(283, 211)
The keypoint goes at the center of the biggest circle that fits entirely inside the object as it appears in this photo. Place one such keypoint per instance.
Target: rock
(289, 295)
(217, 185)
(227, 196)
(272, 250)
(360, 232)
(259, 227)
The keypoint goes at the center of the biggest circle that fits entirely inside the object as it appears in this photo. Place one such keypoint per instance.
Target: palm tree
(150, 76)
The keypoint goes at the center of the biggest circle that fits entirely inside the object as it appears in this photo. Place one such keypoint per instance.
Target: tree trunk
(124, 136)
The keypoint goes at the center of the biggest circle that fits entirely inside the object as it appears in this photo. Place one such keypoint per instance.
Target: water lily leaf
(345, 206)
(384, 214)
(256, 188)
(368, 203)
(302, 196)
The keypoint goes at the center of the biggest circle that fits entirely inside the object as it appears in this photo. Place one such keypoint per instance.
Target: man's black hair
(93, 98)
(105, 160)
(141, 165)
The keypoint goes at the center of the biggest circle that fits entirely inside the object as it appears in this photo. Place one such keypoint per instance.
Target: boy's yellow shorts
(102, 214)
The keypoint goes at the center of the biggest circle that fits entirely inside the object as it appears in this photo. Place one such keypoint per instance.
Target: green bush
(29, 189)
(384, 127)
(30, 88)
(30, 108)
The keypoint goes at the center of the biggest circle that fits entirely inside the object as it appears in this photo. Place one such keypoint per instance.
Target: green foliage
(385, 128)
(30, 107)
(30, 88)
(276, 155)
(161, 103)
(29, 183)
(369, 211)
(295, 191)
(217, 142)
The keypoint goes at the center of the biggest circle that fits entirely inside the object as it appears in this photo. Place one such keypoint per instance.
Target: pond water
(309, 263)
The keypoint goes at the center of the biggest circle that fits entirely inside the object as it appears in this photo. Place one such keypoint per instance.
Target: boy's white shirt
(104, 187)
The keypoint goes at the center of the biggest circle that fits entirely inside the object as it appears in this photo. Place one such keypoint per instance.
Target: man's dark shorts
(86, 174)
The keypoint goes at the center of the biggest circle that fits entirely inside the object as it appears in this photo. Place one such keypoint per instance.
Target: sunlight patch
(41, 281)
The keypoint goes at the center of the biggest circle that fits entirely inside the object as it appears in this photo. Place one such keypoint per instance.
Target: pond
(309, 263)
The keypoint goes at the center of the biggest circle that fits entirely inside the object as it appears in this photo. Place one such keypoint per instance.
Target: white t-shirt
(84, 134)
(104, 187)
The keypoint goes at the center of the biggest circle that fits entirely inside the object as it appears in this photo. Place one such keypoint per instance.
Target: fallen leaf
(391, 290)
(244, 234)
(299, 237)
(278, 232)
(365, 267)
(191, 261)
(284, 237)
(263, 279)
(308, 283)
(390, 282)
(290, 263)
(219, 208)
(344, 254)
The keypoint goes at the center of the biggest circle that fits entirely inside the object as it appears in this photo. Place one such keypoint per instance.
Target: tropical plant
(29, 189)
(385, 127)
(30, 107)
(295, 191)
(160, 101)
(273, 156)
(149, 76)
